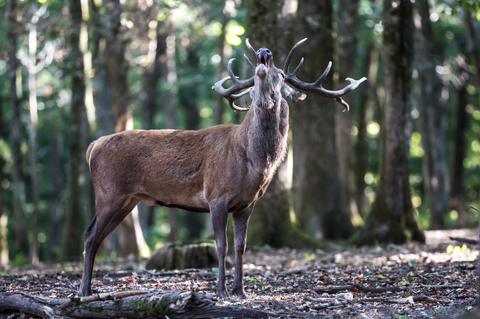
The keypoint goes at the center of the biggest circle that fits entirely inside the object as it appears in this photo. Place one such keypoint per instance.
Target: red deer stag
(221, 169)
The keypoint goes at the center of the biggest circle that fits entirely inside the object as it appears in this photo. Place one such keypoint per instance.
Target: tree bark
(430, 120)
(21, 242)
(188, 99)
(3, 206)
(270, 222)
(72, 247)
(457, 188)
(472, 41)
(32, 130)
(152, 73)
(117, 66)
(102, 94)
(55, 207)
(392, 213)
(316, 189)
(220, 102)
(346, 51)
(360, 167)
(170, 111)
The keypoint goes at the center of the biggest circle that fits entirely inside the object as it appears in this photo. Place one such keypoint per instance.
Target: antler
(252, 50)
(237, 85)
(316, 87)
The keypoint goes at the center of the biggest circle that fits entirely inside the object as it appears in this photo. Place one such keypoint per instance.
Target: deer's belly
(195, 202)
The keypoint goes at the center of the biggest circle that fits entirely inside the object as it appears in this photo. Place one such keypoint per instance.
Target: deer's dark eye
(282, 74)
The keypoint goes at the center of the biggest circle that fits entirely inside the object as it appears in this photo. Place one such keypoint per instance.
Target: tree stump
(184, 255)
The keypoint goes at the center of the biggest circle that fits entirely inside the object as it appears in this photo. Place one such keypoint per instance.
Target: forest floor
(408, 281)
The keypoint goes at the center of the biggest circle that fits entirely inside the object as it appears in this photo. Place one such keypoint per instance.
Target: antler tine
(316, 87)
(298, 67)
(237, 86)
(289, 57)
(249, 63)
(252, 50)
(322, 77)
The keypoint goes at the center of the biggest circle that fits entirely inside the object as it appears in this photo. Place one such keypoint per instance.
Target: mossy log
(160, 304)
(184, 255)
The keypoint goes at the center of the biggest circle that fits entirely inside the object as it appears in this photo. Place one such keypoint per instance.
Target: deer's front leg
(240, 225)
(219, 216)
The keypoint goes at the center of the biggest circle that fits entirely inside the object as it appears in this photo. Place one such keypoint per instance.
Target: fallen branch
(358, 288)
(175, 273)
(428, 299)
(76, 301)
(345, 296)
(406, 300)
(447, 286)
(464, 240)
(128, 304)
(348, 298)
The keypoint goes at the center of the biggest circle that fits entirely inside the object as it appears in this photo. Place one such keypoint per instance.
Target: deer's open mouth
(263, 60)
(264, 56)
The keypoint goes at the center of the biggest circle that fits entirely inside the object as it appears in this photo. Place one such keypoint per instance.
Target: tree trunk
(32, 130)
(472, 41)
(457, 192)
(152, 73)
(271, 223)
(117, 66)
(3, 206)
(21, 242)
(430, 120)
(220, 102)
(316, 185)
(170, 111)
(54, 204)
(392, 213)
(188, 99)
(346, 51)
(370, 67)
(73, 230)
(102, 93)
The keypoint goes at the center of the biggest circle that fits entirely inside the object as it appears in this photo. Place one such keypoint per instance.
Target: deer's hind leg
(109, 214)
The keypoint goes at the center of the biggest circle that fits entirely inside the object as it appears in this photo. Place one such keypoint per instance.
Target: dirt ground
(408, 281)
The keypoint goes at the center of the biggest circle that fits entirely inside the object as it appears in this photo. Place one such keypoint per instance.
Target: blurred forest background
(404, 159)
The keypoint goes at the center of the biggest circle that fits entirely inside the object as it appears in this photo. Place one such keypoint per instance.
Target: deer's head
(270, 83)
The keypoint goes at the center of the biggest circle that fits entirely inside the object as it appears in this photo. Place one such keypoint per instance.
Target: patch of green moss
(94, 309)
(156, 307)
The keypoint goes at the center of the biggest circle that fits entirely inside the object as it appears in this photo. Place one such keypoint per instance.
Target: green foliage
(473, 6)
(20, 259)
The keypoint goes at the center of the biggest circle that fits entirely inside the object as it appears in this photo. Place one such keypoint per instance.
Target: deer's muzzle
(264, 56)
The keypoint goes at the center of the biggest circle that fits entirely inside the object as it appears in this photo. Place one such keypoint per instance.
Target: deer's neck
(265, 131)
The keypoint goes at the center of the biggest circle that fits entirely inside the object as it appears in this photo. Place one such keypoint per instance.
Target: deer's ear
(292, 94)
